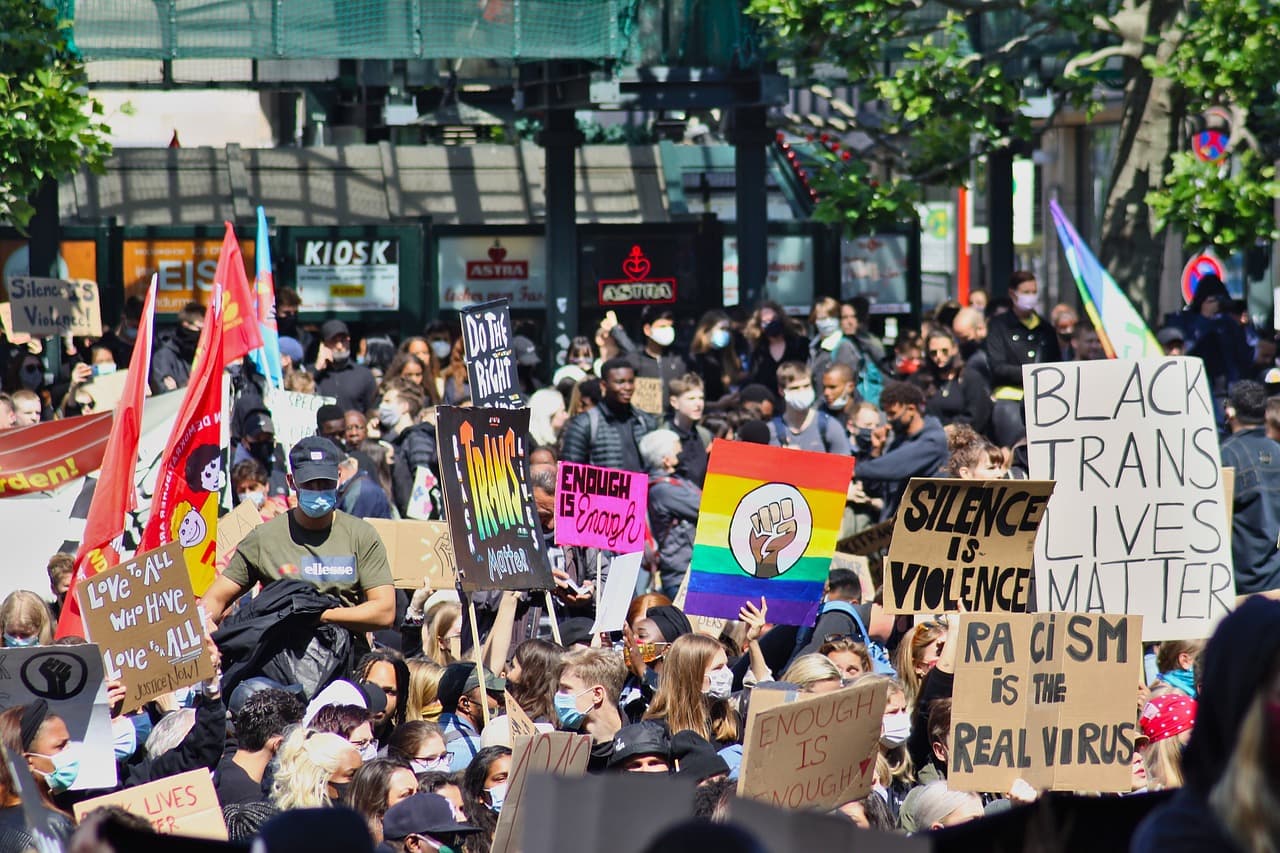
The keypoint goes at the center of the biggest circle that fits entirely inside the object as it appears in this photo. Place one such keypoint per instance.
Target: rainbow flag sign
(767, 527)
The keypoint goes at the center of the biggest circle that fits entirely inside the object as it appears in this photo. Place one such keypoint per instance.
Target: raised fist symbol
(773, 527)
(57, 674)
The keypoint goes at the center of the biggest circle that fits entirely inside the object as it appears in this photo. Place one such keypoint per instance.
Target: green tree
(49, 125)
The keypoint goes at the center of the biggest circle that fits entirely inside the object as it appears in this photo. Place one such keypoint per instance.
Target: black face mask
(968, 348)
(902, 425)
(341, 788)
(774, 328)
(287, 325)
(863, 440)
(263, 451)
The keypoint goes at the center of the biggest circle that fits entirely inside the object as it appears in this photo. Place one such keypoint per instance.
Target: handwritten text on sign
(1046, 697)
(964, 542)
(185, 804)
(817, 752)
(50, 306)
(491, 360)
(143, 615)
(559, 753)
(1136, 521)
(601, 508)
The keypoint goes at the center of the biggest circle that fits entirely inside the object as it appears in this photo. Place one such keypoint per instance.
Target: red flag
(239, 318)
(173, 142)
(185, 504)
(114, 495)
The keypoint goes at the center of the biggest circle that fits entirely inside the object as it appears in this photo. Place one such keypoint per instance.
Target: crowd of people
(402, 729)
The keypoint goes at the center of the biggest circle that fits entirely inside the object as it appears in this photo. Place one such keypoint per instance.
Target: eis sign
(639, 287)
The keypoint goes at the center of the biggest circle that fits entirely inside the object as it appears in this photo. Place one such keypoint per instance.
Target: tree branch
(1129, 50)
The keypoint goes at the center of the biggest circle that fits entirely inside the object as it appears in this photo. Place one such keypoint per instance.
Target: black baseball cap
(314, 458)
(333, 328)
(525, 351)
(648, 737)
(422, 814)
(460, 678)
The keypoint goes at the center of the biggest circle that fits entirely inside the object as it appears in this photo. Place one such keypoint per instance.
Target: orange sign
(77, 259)
(184, 269)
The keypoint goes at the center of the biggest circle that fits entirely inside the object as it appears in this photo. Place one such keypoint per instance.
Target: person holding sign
(658, 359)
(314, 542)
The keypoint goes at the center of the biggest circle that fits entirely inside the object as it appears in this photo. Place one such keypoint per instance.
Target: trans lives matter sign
(964, 542)
(817, 752)
(601, 508)
(484, 473)
(143, 615)
(1046, 697)
(491, 361)
(1137, 522)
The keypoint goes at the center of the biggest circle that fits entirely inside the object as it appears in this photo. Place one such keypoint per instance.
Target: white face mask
(826, 326)
(441, 349)
(895, 728)
(663, 336)
(800, 399)
(721, 683)
(256, 498)
(1026, 301)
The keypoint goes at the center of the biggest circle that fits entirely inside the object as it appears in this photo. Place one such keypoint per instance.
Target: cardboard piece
(647, 396)
(70, 679)
(619, 589)
(6, 320)
(1045, 697)
(143, 615)
(582, 814)
(491, 361)
(421, 505)
(232, 528)
(48, 307)
(870, 541)
(601, 508)
(859, 565)
(521, 725)
(185, 804)
(783, 831)
(418, 551)
(484, 469)
(1229, 495)
(560, 753)
(294, 414)
(816, 752)
(964, 542)
(1136, 521)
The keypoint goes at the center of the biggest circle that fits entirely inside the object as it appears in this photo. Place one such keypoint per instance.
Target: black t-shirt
(234, 785)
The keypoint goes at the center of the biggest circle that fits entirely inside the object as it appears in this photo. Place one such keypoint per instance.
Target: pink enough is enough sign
(601, 508)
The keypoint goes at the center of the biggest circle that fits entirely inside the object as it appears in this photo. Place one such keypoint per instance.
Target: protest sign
(484, 469)
(417, 551)
(767, 528)
(185, 804)
(517, 719)
(817, 752)
(43, 456)
(619, 588)
(1137, 522)
(491, 360)
(647, 396)
(6, 321)
(1050, 698)
(874, 539)
(860, 566)
(105, 390)
(293, 414)
(582, 814)
(423, 495)
(601, 507)
(964, 545)
(70, 679)
(233, 527)
(48, 307)
(785, 831)
(143, 615)
(560, 753)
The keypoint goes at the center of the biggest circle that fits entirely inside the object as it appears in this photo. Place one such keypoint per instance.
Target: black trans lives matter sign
(484, 466)
(491, 361)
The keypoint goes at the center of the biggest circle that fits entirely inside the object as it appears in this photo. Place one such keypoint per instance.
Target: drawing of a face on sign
(770, 529)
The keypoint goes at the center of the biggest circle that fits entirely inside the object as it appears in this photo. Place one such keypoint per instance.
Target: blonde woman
(696, 683)
(424, 683)
(917, 654)
(895, 772)
(315, 770)
(813, 674)
(26, 620)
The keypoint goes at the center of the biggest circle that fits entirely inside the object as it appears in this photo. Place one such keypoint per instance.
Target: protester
(260, 725)
(717, 357)
(176, 350)
(687, 404)
(337, 373)
(424, 682)
(315, 770)
(377, 786)
(953, 394)
(25, 620)
(658, 359)
(462, 718)
(1017, 337)
(696, 682)
(829, 346)
(532, 676)
(423, 823)
(1255, 511)
(421, 745)
(673, 507)
(547, 416)
(484, 790)
(918, 447)
(1166, 723)
(774, 341)
(609, 435)
(802, 426)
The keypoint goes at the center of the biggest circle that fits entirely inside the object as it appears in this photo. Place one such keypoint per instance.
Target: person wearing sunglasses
(953, 394)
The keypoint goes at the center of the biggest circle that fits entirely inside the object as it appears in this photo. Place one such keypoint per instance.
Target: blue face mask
(720, 338)
(66, 769)
(497, 795)
(1182, 679)
(12, 642)
(317, 503)
(567, 710)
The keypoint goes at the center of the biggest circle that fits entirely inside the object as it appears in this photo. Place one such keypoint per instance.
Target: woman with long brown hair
(695, 687)
(715, 355)
(533, 678)
(31, 731)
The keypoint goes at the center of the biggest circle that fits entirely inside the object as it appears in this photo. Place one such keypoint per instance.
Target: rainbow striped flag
(767, 527)
(1121, 329)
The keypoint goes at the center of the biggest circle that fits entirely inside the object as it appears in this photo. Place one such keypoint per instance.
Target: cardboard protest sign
(417, 551)
(106, 390)
(619, 588)
(185, 804)
(491, 361)
(293, 414)
(233, 527)
(964, 542)
(1137, 522)
(1045, 697)
(601, 508)
(6, 321)
(70, 679)
(581, 814)
(817, 752)
(484, 469)
(142, 613)
(647, 396)
(870, 541)
(560, 753)
(47, 307)
(767, 527)
(517, 719)
(860, 566)
(784, 831)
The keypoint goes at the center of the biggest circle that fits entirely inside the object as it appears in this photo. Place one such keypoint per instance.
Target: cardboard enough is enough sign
(1050, 698)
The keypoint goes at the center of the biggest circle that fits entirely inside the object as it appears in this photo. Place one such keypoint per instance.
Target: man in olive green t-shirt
(315, 542)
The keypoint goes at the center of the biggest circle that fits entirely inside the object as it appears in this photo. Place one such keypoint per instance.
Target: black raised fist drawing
(57, 674)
